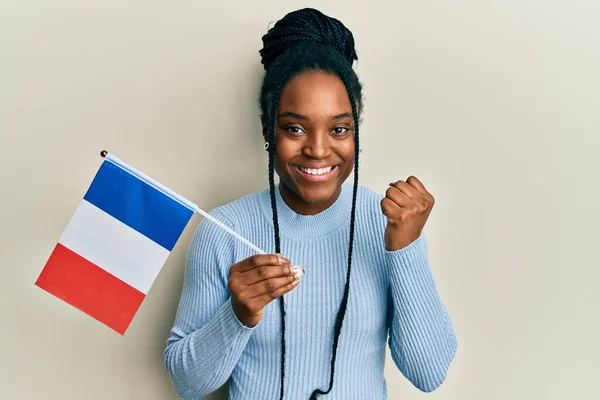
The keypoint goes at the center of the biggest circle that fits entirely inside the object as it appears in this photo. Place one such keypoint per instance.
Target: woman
(364, 255)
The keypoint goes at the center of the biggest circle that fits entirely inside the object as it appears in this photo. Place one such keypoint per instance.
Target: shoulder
(368, 195)
(211, 242)
(236, 212)
(238, 215)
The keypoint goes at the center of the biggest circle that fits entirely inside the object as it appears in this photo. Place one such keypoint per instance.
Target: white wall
(494, 105)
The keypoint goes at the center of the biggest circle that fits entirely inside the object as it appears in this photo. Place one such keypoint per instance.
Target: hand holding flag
(117, 242)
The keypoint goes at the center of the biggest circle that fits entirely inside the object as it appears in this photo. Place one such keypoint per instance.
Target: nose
(317, 145)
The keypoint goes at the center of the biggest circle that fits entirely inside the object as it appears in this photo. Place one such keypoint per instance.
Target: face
(314, 136)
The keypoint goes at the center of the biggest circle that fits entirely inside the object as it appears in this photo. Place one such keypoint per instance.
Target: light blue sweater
(391, 292)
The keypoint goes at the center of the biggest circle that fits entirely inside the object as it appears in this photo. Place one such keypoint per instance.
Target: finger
(271, 287)
(398, 197)
(390, 208)
(407, 189)
(266, 298)
(265, 272)
(417, 184)
(260, 260)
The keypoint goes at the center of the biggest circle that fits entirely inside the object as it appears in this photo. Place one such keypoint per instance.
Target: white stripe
(114, 246)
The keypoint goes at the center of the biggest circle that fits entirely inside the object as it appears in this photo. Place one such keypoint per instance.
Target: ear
(264, 128)
(265, 134)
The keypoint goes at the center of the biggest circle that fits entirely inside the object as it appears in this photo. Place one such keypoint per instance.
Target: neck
(309, 226)
(302, 207)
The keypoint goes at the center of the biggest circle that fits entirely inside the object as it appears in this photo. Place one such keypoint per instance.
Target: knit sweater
(393, 298)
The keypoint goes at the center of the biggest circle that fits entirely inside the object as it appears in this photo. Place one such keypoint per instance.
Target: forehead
(314, 94)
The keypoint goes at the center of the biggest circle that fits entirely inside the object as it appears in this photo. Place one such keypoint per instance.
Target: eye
(340, 131)
(296, 130)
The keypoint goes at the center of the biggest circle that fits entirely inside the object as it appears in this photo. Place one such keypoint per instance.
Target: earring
(266, 145)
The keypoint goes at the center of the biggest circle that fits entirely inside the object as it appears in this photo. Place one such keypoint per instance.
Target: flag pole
(228, 230)
(206, 215)
(299, 269)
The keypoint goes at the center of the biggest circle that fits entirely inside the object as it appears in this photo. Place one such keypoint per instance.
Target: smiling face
(314, 135)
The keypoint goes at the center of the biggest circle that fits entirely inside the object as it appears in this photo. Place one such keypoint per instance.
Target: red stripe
(91, 289)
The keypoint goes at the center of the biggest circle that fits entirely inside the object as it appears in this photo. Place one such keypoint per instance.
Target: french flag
(116, 243)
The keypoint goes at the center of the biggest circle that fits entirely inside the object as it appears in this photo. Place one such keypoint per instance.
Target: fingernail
(283, 260)
(296, 282)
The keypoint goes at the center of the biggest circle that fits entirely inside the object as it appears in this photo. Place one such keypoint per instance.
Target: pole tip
(103, 153)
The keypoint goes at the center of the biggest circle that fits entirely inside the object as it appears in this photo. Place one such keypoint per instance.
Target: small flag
(116, 243)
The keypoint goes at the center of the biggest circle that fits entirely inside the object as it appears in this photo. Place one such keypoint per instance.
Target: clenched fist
(407, 206)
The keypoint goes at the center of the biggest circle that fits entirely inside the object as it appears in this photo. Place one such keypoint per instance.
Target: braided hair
(308, 40)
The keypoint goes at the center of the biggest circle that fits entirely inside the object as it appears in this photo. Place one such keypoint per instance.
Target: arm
(422, 340)
(207, 338)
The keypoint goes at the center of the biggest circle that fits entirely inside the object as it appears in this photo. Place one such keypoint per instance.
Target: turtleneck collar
(294, 225)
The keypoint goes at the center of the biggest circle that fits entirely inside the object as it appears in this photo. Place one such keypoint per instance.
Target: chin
(312, 193)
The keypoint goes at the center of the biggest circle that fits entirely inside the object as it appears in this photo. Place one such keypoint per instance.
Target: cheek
(279, 165)
(286, 150)
(283, 155)
(346, 151)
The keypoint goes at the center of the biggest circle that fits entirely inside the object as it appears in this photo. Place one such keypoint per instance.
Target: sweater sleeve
(207, 338)
(421, 339)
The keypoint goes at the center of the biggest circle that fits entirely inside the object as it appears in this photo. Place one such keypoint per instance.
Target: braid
(342, 311)
(272, 174)
(307, 25)
(308, 40)
(271, 129)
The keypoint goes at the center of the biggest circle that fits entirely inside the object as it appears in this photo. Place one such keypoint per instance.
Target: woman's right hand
(258, 280)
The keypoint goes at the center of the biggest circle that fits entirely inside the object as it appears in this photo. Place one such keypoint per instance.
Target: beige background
(494, 105)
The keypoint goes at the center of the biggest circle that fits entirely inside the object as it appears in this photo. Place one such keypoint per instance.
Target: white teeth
(315, 171)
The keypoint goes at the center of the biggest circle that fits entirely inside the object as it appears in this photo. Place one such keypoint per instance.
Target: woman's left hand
(407, 206)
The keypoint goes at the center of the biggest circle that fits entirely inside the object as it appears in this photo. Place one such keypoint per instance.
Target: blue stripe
(138, 205)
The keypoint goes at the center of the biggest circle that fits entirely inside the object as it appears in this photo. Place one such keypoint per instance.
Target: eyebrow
(293, 115)
(342, 116)
(304, 117)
